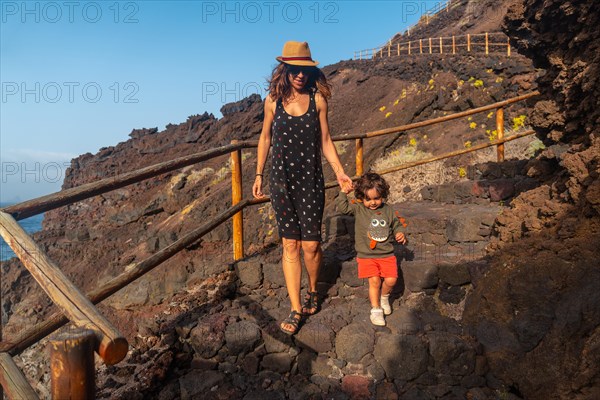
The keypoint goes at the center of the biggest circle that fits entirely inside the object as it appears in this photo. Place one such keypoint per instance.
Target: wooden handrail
(111, 345)
(85, 191)
(434, 121)
(455, 153)
(13, 381)
(133, 272)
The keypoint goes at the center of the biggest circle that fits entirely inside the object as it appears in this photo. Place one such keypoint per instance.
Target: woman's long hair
(280, 86)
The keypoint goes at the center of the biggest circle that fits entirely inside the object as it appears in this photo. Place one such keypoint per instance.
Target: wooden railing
(482, 43)
(79, 309)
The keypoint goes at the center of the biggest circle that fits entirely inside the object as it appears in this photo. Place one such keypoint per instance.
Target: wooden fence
(96, 332)
(483, 43)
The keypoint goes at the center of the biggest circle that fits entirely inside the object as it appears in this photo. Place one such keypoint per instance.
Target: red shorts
(384, 267)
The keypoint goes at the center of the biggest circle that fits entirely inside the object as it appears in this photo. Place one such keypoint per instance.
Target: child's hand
(347, 187)
(400, 238)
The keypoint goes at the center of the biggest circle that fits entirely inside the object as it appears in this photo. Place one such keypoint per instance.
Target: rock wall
(537, 311)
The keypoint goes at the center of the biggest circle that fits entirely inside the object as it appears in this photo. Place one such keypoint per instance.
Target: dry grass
(406, 185)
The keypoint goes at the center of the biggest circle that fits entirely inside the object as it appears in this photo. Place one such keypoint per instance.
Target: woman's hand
(345, 183)
(257, 187)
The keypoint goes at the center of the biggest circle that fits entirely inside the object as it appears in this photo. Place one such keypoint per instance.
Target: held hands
(400, 238)
(257, 187)
(345, 183)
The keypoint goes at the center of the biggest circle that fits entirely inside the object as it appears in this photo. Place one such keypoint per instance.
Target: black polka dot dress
(296, 179)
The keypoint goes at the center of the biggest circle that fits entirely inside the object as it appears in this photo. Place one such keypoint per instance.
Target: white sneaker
(377, 317)
(385, 304)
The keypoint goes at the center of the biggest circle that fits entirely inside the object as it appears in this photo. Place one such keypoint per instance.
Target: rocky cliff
(537, 311)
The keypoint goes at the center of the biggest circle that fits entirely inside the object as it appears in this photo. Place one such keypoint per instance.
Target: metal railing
(79, 309)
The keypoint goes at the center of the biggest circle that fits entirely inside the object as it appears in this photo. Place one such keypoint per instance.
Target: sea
(31, 225)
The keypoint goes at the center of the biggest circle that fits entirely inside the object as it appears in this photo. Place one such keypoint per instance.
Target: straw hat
(296, 53)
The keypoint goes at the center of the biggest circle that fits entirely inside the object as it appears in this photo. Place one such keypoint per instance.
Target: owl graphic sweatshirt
(375, 230)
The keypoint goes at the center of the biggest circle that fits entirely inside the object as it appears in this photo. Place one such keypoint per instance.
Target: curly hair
(370, 181)
(280, 86)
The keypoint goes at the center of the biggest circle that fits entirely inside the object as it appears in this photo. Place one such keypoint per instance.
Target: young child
(375, 229)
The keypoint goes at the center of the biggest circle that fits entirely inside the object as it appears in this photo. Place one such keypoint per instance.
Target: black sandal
(311, 302)
(294, 320)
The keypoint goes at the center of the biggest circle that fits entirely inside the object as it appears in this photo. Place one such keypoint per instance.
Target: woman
(295, 123)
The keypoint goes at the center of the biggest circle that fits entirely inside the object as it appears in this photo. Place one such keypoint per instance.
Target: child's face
(373, 199)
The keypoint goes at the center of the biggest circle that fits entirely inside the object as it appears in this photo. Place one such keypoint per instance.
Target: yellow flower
(396, 102)
(461, 82)
(462, 172)
(490, 114)
(388, 114)
(430, 82)
(469, 119)
(467, 144)
(413, 142)
(518, 122)
(478, 83)
(471, 79)
(382, 108)
(473, 125)
(499, 79)
(489, 71)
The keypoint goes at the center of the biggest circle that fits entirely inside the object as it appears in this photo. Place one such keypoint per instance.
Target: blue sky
(79, 76)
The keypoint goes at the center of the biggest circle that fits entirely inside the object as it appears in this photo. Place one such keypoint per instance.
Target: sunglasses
(296, 69)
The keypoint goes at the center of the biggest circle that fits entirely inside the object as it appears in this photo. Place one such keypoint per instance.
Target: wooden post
(409, 47)
(421, 45)
(427, 18)
(112, 346)
(441, 48)
(468, 42)
(236, 197)
(430, 46)
(389, 49)
(508, 47)
(500, 130)
(398, 48)
(381, 52)
(72, 365)
(487, 51)
(14, 383)
(374, 53)
(453, 45)
(359, 157)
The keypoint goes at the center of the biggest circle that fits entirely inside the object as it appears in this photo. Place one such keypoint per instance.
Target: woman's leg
(374, 291)
(312, 260)
(292, 271)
